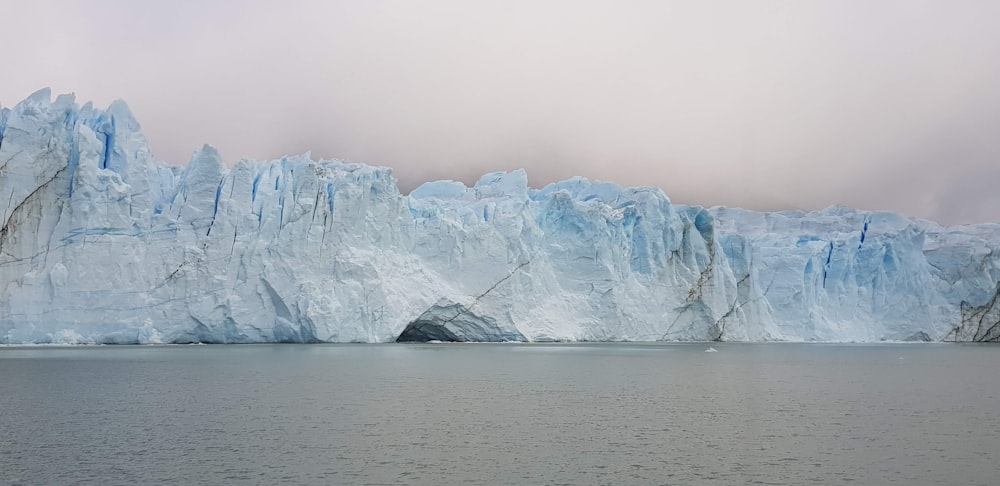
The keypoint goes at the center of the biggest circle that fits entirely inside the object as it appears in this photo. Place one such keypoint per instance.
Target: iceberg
(101, 243)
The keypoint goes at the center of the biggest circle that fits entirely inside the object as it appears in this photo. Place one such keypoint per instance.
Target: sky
(878, 105)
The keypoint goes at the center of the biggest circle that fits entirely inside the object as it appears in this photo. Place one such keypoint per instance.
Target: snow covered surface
(101, 243)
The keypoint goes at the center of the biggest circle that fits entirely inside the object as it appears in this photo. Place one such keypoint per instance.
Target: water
(500, 414)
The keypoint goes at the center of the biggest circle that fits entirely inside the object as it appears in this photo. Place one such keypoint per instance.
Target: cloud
(768, 105)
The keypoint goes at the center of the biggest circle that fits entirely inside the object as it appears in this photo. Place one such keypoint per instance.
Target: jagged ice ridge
(100, 243)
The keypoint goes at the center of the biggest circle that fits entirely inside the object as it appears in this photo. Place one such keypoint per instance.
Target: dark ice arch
(452, 322)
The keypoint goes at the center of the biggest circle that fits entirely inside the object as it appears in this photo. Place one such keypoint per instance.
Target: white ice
(103, 244)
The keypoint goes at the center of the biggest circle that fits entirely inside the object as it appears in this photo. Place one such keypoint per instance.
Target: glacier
(102, 243)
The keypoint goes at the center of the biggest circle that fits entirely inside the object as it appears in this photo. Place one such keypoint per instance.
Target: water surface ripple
(500, 414)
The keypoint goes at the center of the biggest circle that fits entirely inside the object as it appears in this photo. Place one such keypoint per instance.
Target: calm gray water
(501, 414)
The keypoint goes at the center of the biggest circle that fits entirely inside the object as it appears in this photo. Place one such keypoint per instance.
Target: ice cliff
(100, 243)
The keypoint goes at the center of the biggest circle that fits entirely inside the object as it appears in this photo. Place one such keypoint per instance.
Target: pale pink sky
(765, 104)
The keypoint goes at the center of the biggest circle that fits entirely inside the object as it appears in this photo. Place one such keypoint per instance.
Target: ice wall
(100, 243)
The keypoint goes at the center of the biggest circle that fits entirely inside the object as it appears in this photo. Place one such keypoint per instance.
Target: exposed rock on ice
(980, 323)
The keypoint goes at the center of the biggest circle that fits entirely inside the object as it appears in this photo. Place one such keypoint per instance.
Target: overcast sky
(761, 104)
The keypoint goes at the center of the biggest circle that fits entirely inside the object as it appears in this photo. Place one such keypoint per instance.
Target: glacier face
(100, 243)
